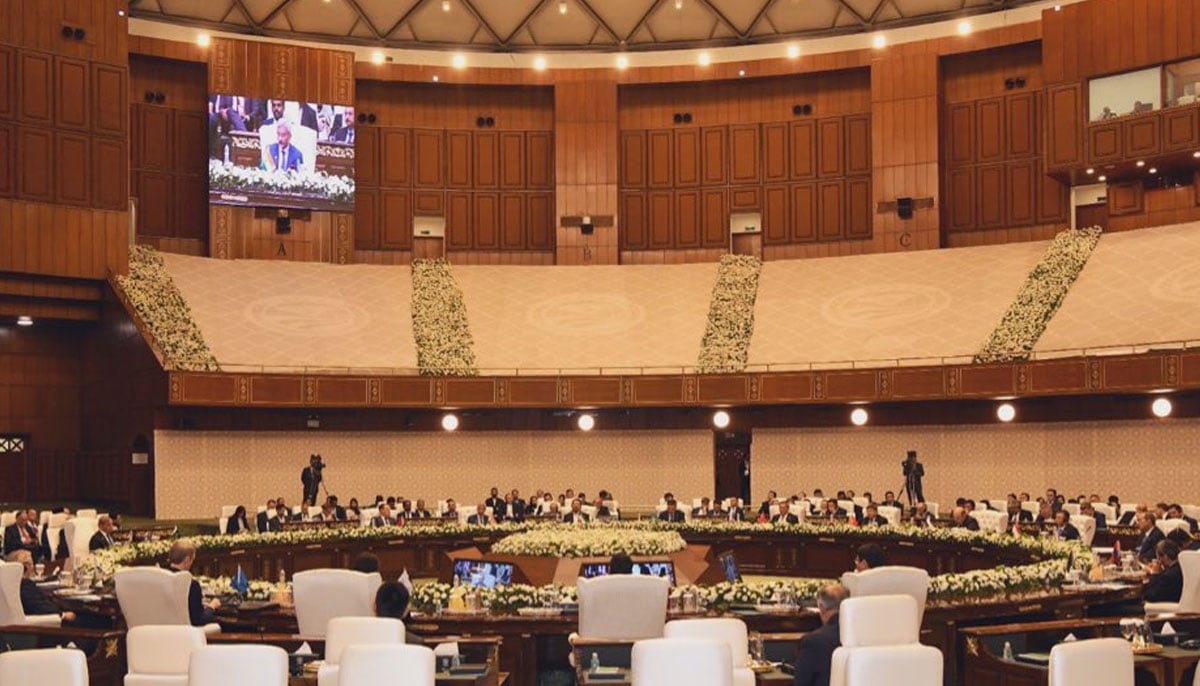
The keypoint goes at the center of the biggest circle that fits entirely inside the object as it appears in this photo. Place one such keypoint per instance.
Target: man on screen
(282, 155)
(343, 126)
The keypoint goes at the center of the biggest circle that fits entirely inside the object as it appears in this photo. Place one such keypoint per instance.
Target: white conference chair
(87, 513)
(874, 622)
(1087, 527)
(691, 661)
(730, 631)
(344, 632)
(1169, 525)
(54, 525)
(848, 506)
(991, 520)
(860, 501)
(920, 666)
(322, 594)
(7, 519)
(1071, 508)
(238, 665)
(1189, 599)
(1109, 512)
(1192, 511)
(158, 654)
(152, 596)
(1095, 662)
(1030, 506)
(226, 512)
(396, 665)
(79, 532)
(934, 508)
(622, 606)
(892, 514)
(11, 610)
(44, 667)
(890, 580)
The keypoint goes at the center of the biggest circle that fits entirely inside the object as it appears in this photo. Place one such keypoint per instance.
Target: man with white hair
(282, 155)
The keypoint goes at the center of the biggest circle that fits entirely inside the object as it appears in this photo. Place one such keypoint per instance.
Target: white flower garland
(725, 347)
(440, 324)
(589, 542)
(161, 306)
(1040, 296)
(301, 183)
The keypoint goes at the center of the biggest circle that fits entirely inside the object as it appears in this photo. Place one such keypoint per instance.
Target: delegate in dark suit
(99, 541)
(571, 517)
(262, 521)
(35, 602)
(199, 614)
(1164, 587)
(1147, 543)
(788, 518)
(668, 516)
(815, 653)
(13, 540)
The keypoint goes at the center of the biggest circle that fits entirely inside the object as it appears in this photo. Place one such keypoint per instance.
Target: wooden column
(585, 140)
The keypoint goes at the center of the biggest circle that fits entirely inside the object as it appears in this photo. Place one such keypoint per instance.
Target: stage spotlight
(1161, 407)
(720, 419)
(859, 417)
(449, 421)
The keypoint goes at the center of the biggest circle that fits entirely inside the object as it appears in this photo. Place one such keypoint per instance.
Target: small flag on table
(240, 583)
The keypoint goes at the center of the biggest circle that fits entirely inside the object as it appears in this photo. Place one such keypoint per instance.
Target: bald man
(815, 650)
(103, 538)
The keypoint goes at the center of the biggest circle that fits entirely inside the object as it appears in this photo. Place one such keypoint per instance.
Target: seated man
(735, 513)
(705, 508)
(1175, 511)
(391, 600)
(869, 556)
(1148, 526)
(1088, 510)
(262, 521)
(785, 516)
(1064, 530)
(480, 518)
(873, 518)
(1045, 516)
(365, 562)
(1130, 517)
(602, 511)
(384, 518)
(281, 515)
(19, 536)
(672, 513)
(504, 510)
(921, 516)
(303, 515)
(576, 515)
(1165, 581)
(180, 559)
(764, 510)
(34, 600)
(1016, 515)
(103, 537)
(451, 510)
(420, 511)
(814, 652)
(889, 500)
(962, 520)
(830, 510)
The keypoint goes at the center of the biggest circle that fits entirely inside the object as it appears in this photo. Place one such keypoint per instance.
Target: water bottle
(1008, 653)
(594, 666)
(282, 577)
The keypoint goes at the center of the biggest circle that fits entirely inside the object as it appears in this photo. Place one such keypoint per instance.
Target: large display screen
(589, 570)
(483, 574)
(280, 153)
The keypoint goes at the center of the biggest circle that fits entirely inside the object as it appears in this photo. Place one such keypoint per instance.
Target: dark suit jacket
(737, 515)
(1127, 519)
(665, 516)
(789, 518)
(1147, 543)
(35, 602)
(1164, 587)
(500, 511)
(1024, 517)
(1069, 532)
(970, 524)
(569, 518)
(824, 514)
(98, 542)
(198, 613)
(494, 503)
(236, 526)
(274, 524)
(878, 520)
(476, 519)
(343, 134)
(12, 540)
(518, 508)
(1101, 521)
(815, 653)
(295, 158)
(261, 521)
(420, 514)
(382, 521)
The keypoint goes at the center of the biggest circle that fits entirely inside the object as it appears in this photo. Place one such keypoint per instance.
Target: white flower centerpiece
(596, 541)
(725, 347)
(441, 328)
(300, 183)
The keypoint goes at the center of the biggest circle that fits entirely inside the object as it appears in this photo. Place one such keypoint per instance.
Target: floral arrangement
(600, 541)
(725, 347)
(440, 325)
(1040, 296)
(232, 178)
(223, 586)
(153, 295)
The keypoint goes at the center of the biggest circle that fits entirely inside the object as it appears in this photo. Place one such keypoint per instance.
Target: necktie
(283, 160)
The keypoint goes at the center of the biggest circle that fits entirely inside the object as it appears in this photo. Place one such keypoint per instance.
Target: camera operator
(311, 478)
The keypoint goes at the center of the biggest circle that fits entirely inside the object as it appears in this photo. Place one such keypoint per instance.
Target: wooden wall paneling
(8, 82)
(830, 208)
(659, 156)
(742, 199)
(715, 155)
(775, 152)
(539, 220)
(859, 207)
(485, 221)
(659, 218)
(744, 154)
(8, 154)
(35, 87)
(1053, 199)
(1126, 198)
(512, 221)
(429, 203)
(714, 216)
(71, 94)
(1104, 142)
(687, 158)
(960, 133)
(458, 220)
(190, 143)
(427, 159)
(1021, 192)
(512, 160)
(1140, 136)
(803, 206)
(775, 215)
(687, 219)
(830, 147)
(960, 199)
(487, 160)
(155, 208)
(190, 217)
(539, 160)
(989, 130)
(1020, 117)
(366, 157)
(858, 144)
(395, 219)
(633, 159)
(366, 214)
(35, 150)
(990, 201)
(803, 149)
(156, 138)
(1064, 122)
(1181, 129)
(458, 159)
(633, 231)
(72, 163)
(396, 158)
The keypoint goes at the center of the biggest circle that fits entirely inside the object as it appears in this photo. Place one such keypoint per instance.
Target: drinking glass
(756, 649)
(39, 569)
(1127, 627)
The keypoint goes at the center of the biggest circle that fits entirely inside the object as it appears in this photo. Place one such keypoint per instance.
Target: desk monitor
(729, 566)
(483, 574)
(661, 568)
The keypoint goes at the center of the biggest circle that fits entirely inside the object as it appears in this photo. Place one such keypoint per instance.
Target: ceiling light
(121, 12)
(1102, 178)
(741, 72)
(1161, 407)
(964, 28)
(203, 40)
(449, 422)
(1089, 171)
(678, 4)
(540, 64)
(586, 422)
(562, 6)
(1196, 154)
(436, 78)
(720, 419)
(793, 51)
(880, 40)
(1006, 412)
(622, 62)
(859, 417)
(1153, 170)
(377, 57)
(445, 5)
(1058, 8)
(459, 61)
(24, 320)
(1141, 163)
(704, 59)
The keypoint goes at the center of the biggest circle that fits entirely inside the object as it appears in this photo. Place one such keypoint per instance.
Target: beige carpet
(1138, 287)
(922, 305)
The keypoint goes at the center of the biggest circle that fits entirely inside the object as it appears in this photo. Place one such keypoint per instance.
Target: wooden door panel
(154, 194)
(512, 221)
(858, 208)
(512, 160)
(990, 199)
(960, 203)
(775, 152)
(633, 221)
(110, 171)
(687, 219)
(539, 159)
(1053, 199)
(486, 222)
(804, 212)
(396, 158)
(487, 160)
(775, 215)
(539, 214)
(191, 143)
(803, 149)
(830, 225)
(829, 147)
(659, 157)
(1104, 142)
(1064, 119)
(1141, 136)
(366, 213)
(744, 153)
(1126, 198)
(1020, 125)
(741, 199)
(633, 159)
(458, 220)
(8, 82)
(72, 164)
(1022, 193)
(35, 150)
(35, 75)
(458, 159)
(659, 218)
(714, 218)
(71, 80)
(1181, 129)
(858, 144)
(427, 159)
(715, 156)
(366, 156)
(960, 133)
(395, 219)
(687, 158)
(429, 203)
(8, 153)
(191, 207)
(989, 130)
(156, 138)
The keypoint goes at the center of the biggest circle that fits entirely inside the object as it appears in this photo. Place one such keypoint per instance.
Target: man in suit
(830, 510)
(480, 518)
(736, 514)
(384, 518)
(1064, 530)
(34, 600)
(180, 559)
(310, 476)
(277, 112)
(764, 510)
(282, 155)
(889, 500)
(1088, 510)
(451, 510)
(873, 518)
(262, 521)
(1130, 518)
(921, 517)
(420, 511)
(494, 500)
(518, 505)
(503, 510)
(275, 523)
(18, 536)
(869, 556)
(814, 652)
(602, 510)
(1175, 511)
(576, 515)
(1148, 526)
(103, 538)
(1018, 515)
(784, 516)
(1165, 582)
(339, 512)
(343, 131)
(672, 513)
(705, 509)
(303, 515)
(962, 520)
(1045, 516)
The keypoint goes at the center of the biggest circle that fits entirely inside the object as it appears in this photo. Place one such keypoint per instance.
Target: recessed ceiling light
(1161, 407)
(445, 5)
(964, 27)
(377, 57)
(1006, 412)
(622, 62)
(121, 12)
(1153, 170)
(459, 61)
(1089, 171)
(1102, 178)
(24, 320)
(1058, 8)
(741, 72)
(540, 64)
(586, 422)
(704, 59)
(678, 4)
(1196, 154)
(203, 40)
(859, 417)
(793, 51)
(880, 40)
(1141, 163)
(721, 419)
(449, 422)
(436, 78)
(562, 6)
